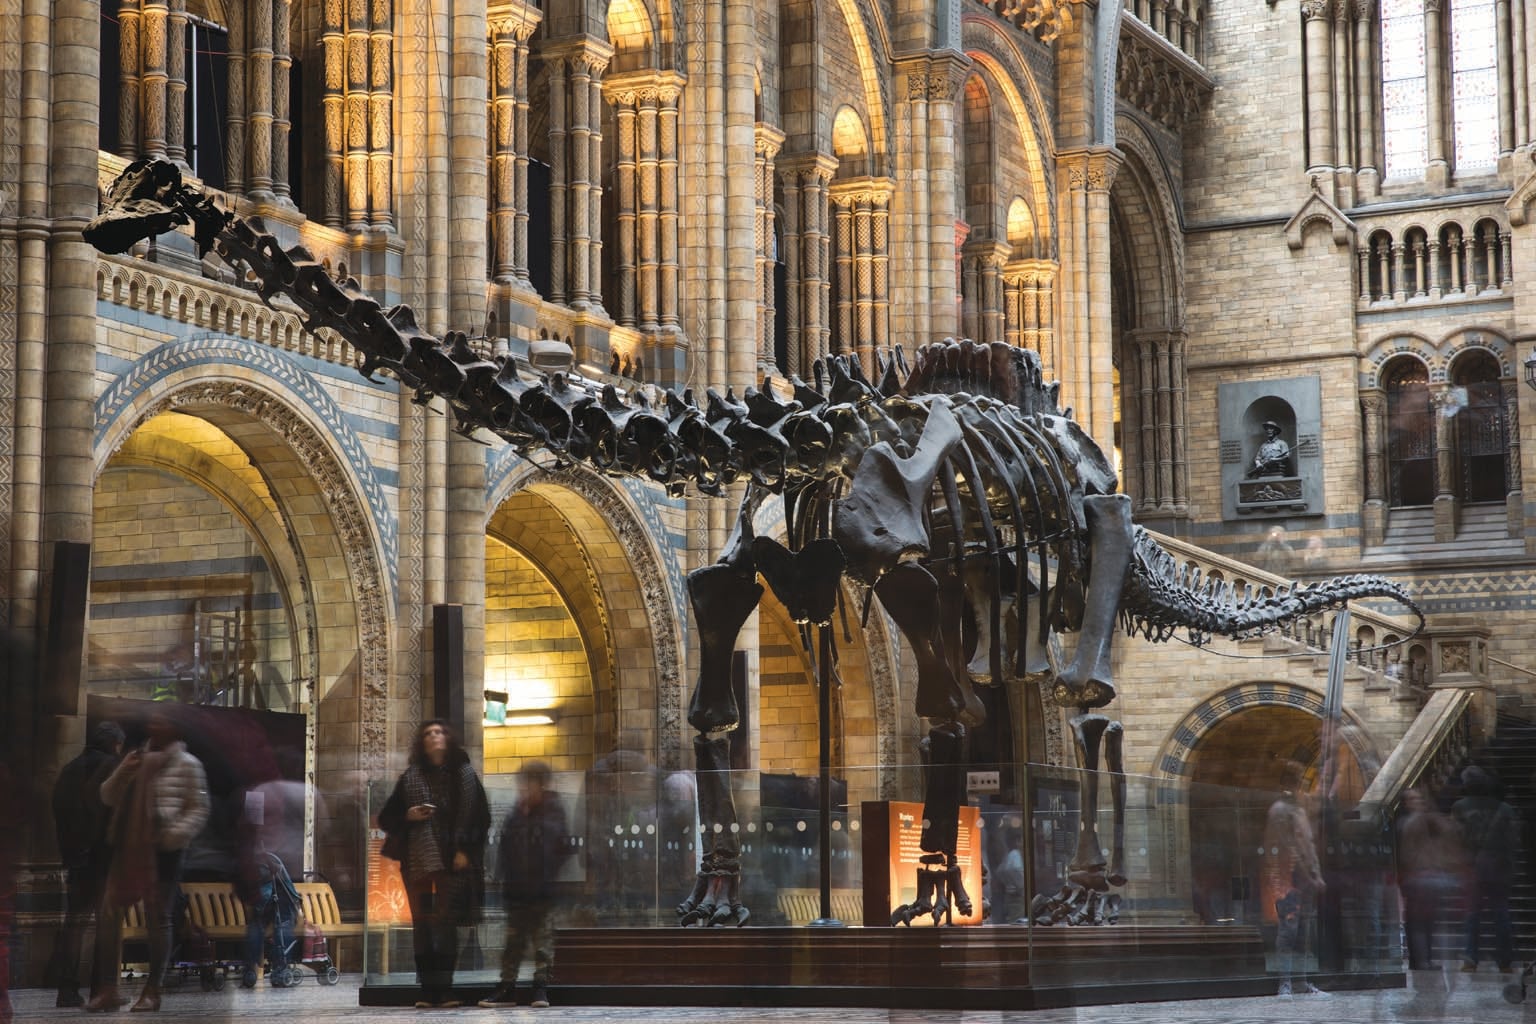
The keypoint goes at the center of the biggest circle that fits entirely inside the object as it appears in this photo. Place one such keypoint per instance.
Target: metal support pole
(824, 760)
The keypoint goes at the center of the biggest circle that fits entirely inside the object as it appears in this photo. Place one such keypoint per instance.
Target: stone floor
(1474, 1000)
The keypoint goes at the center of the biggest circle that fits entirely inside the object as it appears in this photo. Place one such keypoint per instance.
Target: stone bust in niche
(1273, 457)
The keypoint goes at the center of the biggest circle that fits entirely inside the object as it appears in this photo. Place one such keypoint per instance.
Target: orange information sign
(893, 832)
(386, 889)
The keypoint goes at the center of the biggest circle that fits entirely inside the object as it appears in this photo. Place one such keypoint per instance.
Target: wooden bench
(321, 910)
(802, 906)
(214, 907)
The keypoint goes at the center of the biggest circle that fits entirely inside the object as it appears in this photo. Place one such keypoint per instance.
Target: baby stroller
(271, 903)
(309, 949)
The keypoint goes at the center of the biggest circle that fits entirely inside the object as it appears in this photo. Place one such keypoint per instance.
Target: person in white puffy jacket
(159, 800)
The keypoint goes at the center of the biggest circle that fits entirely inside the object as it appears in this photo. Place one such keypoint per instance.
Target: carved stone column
(669, 215)
(1029, 287)
(1506, 264)
(1153, 396)
(130, 31)
(1085, 345)
(807, 250)
(1373, 406)
(510, 26)
(986, 317)
(860, 203)
(646, 202)
(1441, 401)
(1438, 172)
(767, 140)
(333, 99)
(176, 82)
(576, 72)
(381, 158)
(258, 99)
(1434, 268)
(1318, 16)
(1399, 271)
(1367, 174)
(1364, 253)
(154, 83)
(1514, 501)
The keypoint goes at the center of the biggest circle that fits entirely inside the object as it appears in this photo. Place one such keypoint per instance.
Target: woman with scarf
(159, 800)
(437, 819)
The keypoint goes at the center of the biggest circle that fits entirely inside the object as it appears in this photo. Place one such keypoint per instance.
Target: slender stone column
(176, 82)
(509, 26)
(155, 81)
(1087, 372)
(1442, 402)
(577, 65)
(1343, 126)
(1013, 310)
(668, 214)
(1438, 172)
(1368, 175)
(807, 241)
(1384, 268)
(1506, 264)
(130, 33)
(861, 320)
(789, 187)
(1454, 248)
(1506, 65)
(945, 77)
(282, 67)
(626, 222)
(1364, 253)
(333, 99)
(1373, 404)
(557, 173)
(1419, 281)
(1399, 272)
(649, 221)
(258, 65)
(1434, 268)
(381, 133)
(1145, 351)
(1518, 73)
(1178, 404)
(767, 140)
(357, 114)
(1490, 258)
(1514, 501)
(1318, 16)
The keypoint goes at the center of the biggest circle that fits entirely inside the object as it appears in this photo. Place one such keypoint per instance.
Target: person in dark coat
(1490, 828)
(80, 824)
(436, 820)
(534, 846)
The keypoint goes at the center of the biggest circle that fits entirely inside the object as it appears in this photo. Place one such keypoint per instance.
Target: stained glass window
(1474, 84)
(1404, 106)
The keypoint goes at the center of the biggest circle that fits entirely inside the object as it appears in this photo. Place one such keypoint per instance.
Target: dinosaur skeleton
(955, 490)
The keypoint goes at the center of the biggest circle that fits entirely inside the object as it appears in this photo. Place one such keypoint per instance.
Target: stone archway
(324, 501)
(634, 596)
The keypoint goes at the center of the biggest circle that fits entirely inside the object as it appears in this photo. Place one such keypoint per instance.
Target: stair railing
(1373, 630)
(1433, 749)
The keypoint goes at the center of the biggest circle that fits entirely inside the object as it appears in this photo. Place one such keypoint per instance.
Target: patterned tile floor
(1474, 1000)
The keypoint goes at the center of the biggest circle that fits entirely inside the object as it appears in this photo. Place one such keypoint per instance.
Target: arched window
(1474, 84)
(1482, 442)
(1410, 435)
(1404, 97)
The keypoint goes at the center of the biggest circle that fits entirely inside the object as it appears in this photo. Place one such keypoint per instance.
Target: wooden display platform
(984, 968)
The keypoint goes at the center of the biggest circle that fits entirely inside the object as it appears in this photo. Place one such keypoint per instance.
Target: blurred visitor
(436, 820)
(1293, 880)
(535, 843)
(1431, 869)
(1275, 554)
(159, 800)
(80, 824)
(1490, 832)
(265, 888)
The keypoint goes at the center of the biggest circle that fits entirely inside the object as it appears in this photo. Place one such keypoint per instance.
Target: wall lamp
(498, 714)
(1530, 368)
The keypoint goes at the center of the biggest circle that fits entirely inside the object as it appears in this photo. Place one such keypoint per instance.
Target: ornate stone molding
(1044, 19)
(1090, 169)
(1318, 209)
(861, 192)
(351, 523)
(1155, 76)
(1317, 10)
(635, 87)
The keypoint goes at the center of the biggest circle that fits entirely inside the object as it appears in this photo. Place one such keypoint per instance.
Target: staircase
(1512, 757)
(1411, 536)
